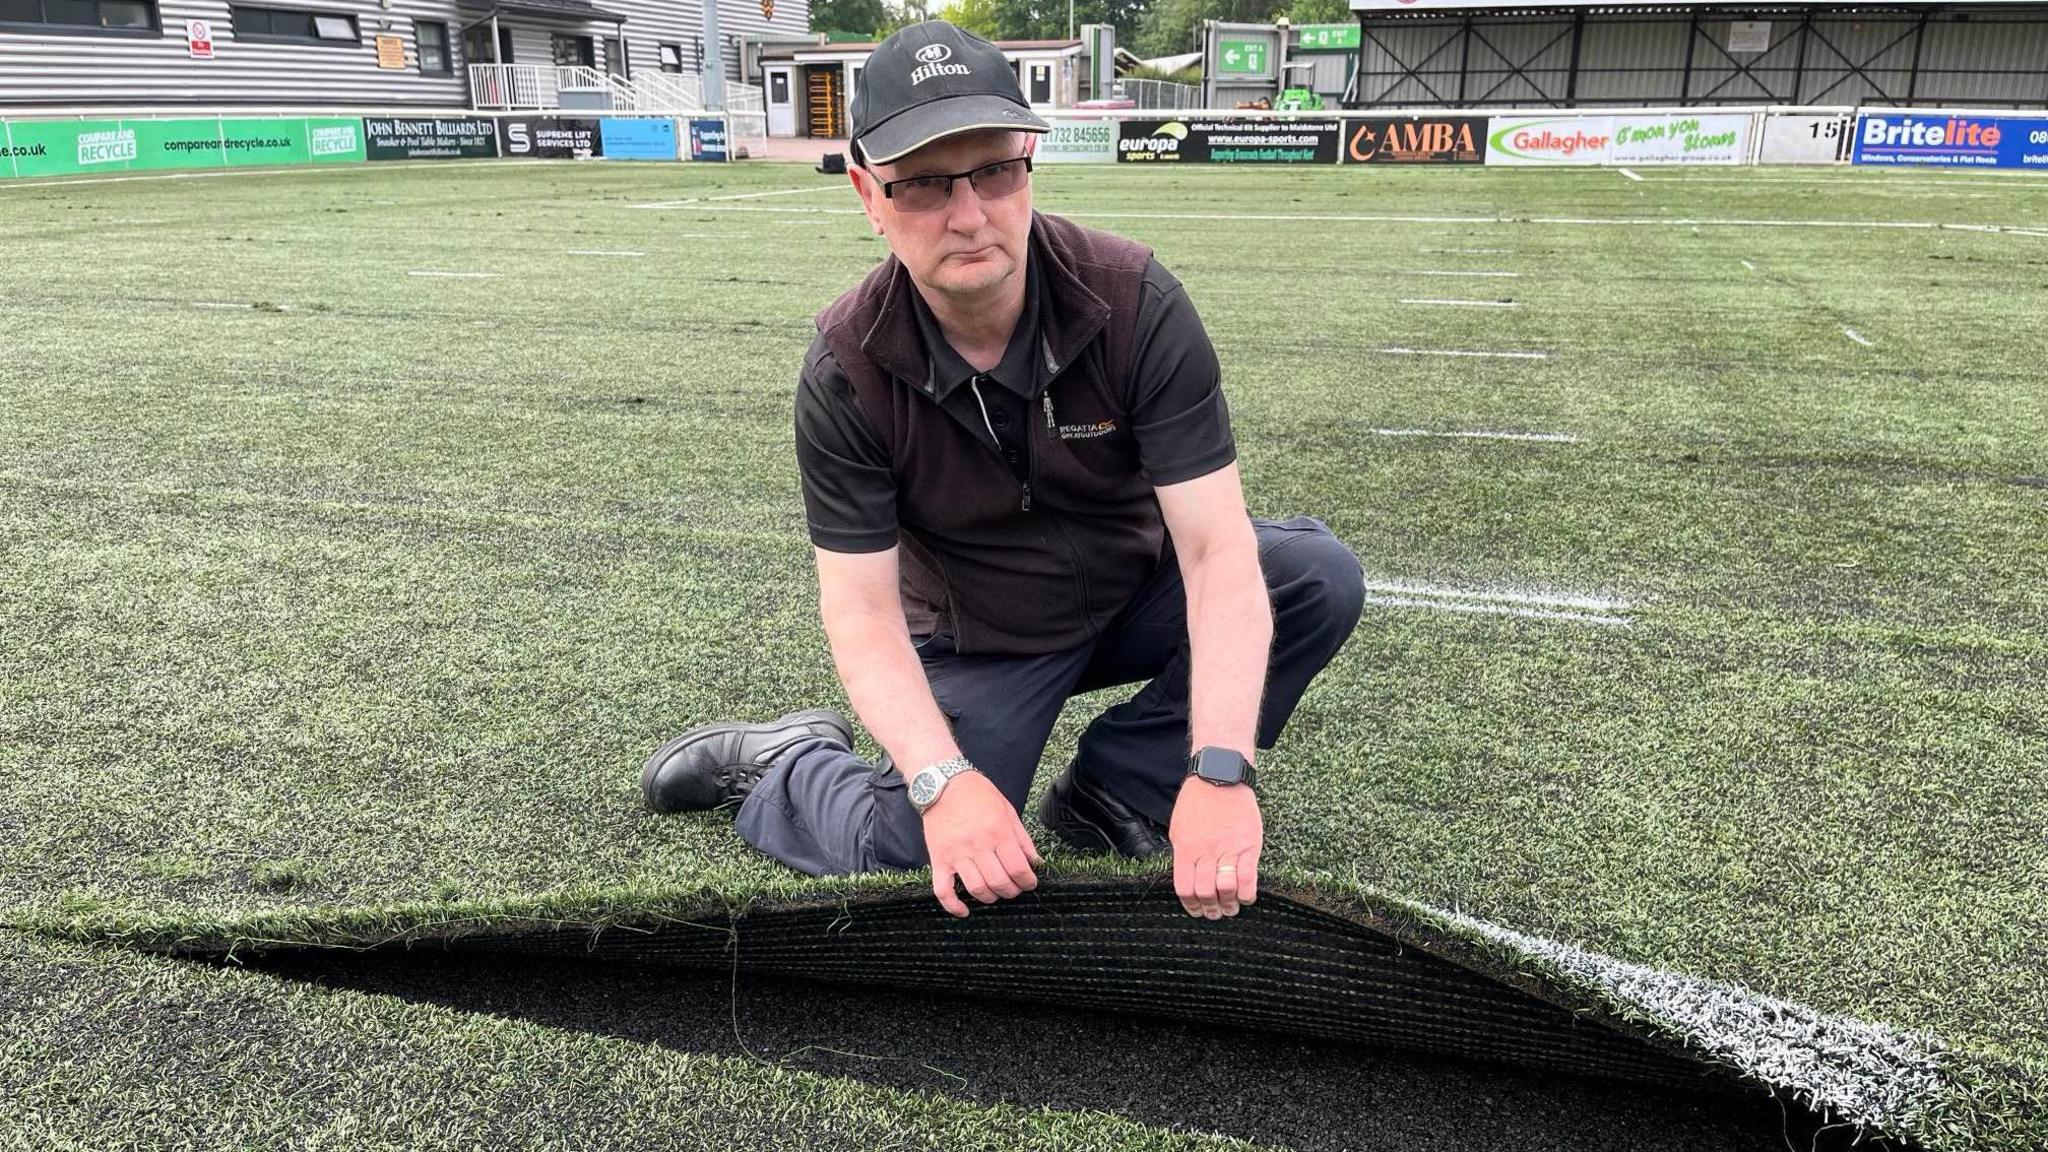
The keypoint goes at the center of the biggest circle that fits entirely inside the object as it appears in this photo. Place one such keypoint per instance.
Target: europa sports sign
(1951, 141)
(1205, 141)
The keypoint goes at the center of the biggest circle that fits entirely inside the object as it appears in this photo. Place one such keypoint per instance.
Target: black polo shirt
(1178, 414)
(1002, 410)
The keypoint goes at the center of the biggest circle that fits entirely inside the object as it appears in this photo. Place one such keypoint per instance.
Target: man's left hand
(1217, 834)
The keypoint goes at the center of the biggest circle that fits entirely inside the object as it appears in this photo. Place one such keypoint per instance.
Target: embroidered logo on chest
(1087, 431)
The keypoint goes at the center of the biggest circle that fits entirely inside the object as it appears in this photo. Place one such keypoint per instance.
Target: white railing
(513, 86)
(540, 86)
(1157, 93)
(668, 92)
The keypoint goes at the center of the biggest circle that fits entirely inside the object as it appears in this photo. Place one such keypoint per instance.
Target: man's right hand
(974, 834)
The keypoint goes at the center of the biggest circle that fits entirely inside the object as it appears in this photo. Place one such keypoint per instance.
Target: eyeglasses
(926, 193)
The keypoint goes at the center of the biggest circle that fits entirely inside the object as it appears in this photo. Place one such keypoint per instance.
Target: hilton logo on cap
(932, 62)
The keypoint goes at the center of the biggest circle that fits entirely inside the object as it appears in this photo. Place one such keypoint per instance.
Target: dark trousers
(824, 811)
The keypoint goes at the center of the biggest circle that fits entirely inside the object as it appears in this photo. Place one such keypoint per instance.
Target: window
(778, 87)
(293, 24)
(476, 45)
(433, 45)
(614, 56)
(123, 16)
(573, 50)
(671, 57)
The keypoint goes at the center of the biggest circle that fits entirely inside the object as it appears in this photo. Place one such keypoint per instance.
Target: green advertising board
(1244, 57)
(69, 147)
(1325, 37)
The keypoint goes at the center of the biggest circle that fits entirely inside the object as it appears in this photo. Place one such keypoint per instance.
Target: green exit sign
(1246, 57)
(1321, 36)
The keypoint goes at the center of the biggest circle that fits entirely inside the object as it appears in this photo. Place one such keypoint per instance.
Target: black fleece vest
(1007, 566)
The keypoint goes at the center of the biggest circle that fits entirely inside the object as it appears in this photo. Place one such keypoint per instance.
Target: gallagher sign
(1550, 140)
(1951, 141)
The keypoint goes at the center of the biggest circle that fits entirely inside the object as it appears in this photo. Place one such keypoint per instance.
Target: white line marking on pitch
(1450, 272)
(218, 304)
(452, 275)
(1474, 251)
(1748, 265)
(1463, 352)
(1534, 437)
(1852, 334)
(1337, 218)
(740, 196)
(1630, 175)
(1510, 596)
(1498, 610)
(307, 170)
(606, 252)
(1466, 303)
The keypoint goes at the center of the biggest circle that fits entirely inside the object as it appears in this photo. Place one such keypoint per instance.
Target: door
(781, 104)
(824, 101)
(1039, 90)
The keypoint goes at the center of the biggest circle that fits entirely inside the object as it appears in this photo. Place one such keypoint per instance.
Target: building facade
(808, 88)
(347, 53)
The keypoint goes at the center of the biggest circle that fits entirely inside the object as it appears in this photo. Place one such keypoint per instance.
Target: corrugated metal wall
(1967, 56)
(37, 68)
(64, 70)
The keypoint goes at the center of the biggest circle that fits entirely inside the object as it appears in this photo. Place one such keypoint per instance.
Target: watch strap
(946, 769)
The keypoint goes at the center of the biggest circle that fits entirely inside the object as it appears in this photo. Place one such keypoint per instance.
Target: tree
(1175, 26)
(977, 16)
(866, 16)
(1172, 27)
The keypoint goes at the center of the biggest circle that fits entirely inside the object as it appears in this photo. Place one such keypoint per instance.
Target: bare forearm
(1230, 634)
(885, 682)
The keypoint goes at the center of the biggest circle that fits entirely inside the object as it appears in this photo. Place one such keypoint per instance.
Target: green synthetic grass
(377, 593)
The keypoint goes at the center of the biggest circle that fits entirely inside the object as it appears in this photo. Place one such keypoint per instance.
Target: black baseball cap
(929, 81)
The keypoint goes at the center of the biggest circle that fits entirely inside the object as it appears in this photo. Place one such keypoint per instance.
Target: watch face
(1220, 765)
(925, 788)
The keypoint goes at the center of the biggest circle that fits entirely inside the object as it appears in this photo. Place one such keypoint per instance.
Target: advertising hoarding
(1703, 139)
(549, 137)
(428, 137)
(1415, 140)
(1078, 142)
(707, 139)
(638, 138)
(1951, 141)
(1215, 141)
(69, 147)
(1549, 140)
(1806, 139)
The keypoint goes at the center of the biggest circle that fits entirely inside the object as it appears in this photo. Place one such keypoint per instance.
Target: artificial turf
(357, 606)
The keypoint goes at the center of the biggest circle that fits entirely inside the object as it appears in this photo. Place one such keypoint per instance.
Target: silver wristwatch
(927, 784)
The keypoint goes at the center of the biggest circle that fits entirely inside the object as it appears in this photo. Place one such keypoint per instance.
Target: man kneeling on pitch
(1021, 484)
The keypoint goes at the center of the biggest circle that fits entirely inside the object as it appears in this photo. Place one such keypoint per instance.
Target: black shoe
(1092, 820)
(717, 765)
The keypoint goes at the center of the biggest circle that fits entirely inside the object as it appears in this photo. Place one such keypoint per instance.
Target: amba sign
(1413, 140)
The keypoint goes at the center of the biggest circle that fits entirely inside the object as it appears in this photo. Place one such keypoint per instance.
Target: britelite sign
(428, 137)
(1228, 141)
(1951, 141)
(1415, 140)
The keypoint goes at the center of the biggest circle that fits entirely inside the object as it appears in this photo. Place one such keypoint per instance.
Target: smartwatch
(1222, 767)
